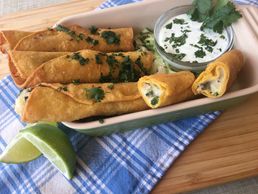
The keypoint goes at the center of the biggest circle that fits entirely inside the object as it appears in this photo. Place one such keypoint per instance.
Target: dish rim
(151, 112)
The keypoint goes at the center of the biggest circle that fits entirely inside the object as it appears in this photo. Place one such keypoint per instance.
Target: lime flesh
(46, 139)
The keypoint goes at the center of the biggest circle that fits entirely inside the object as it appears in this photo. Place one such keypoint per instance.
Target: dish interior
(144, 14)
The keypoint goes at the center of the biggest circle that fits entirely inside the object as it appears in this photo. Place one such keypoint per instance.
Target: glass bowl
(174, 63)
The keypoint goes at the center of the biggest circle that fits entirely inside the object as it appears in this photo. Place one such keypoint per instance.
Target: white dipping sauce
(188, 48)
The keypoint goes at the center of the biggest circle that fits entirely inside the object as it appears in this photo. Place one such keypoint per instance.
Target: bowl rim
(184, 65)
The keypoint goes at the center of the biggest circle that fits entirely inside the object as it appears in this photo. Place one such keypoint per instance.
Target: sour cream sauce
(191, 50)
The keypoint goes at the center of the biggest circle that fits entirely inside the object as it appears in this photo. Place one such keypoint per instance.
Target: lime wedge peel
(46, 139)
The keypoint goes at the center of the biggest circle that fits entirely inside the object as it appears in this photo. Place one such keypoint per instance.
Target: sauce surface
(187, 42)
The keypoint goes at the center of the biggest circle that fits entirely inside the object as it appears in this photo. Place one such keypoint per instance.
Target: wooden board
(226, 151)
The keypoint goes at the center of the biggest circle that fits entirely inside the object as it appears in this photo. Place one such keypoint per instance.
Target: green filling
(154, 100)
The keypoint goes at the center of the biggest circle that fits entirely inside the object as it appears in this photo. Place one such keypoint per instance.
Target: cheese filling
(21, 101)
(152, 93)
(213, 85)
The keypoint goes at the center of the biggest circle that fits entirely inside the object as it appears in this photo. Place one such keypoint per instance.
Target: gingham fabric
(131, 162)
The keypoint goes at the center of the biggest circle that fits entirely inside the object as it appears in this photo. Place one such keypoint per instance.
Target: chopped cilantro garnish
(111, 86)
(105, 78)
(169, 26)
(141, 66)
(179, 21)
(92, 41)
(98, 59)
(110, 37)
(111, 60)
(177, 41)
(93, 29)
(77, 56)
(207, 43)
(178, 56)
(199, 53)
(127, 72)
(96, 94)
(81, 36)
(67, 31)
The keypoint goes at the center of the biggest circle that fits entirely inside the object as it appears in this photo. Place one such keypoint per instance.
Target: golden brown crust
(9, 38)
(228, 65)
(46, 103)
(58, 41)
(23, 63)
(64, 69)
(175, 87)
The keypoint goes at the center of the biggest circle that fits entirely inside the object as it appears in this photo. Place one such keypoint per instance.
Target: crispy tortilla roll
(76, 38)
(57, 102)
(9, 38)
(165, 89)
(219, 75)
(23, 63)
(88, 66)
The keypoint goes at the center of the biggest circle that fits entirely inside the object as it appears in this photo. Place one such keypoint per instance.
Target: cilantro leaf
(96, 94)
(218, 17)
(201, 9)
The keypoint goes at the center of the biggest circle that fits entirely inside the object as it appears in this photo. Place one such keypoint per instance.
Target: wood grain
(226, 151)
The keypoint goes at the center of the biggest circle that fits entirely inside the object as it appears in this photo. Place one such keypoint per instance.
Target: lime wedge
(46, 139)
(19, 150)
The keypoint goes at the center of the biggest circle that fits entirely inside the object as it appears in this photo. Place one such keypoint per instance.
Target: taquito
(74, 38)
(57, 102)
(219, 75)
(160, 90)
(86, 66)
(9, 39)
(23, 63)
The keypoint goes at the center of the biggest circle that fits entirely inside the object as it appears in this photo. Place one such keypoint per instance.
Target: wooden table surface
(226, 151)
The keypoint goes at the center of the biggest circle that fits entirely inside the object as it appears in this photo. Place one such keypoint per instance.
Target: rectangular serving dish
(144, 14)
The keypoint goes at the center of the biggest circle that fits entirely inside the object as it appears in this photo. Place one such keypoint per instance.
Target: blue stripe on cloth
(131, 162)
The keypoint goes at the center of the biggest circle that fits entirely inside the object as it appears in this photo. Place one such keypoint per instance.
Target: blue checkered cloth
(131, 162)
